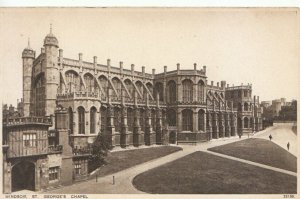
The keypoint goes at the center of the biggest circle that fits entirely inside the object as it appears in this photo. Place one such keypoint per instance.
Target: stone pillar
(227, 125)
(111, 133)
(233, 125)
(138, 136)
(209, 125)
(195, 92)
(159, 132)
(150, 137)
(215, 127)
(221, 125)
(195, 121)
(179, 120)
(126, 136)
(242, 127)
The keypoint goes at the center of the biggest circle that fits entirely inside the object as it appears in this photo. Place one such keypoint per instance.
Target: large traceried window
(81, 120)
(158, 90)
(172, 92)
(117, 119)
(103, 112)
(246, 122)
(40, 95)
(93, 121)
(90, 83)
(142, 119)
(104, 84)
(130, 119)
(70, 114)
(246, 106)
(118, 86)
(73, 81)
(29, 140)
(150, 88)
(130, 89)
(201, 120)
(187, 86)
(187, 120)
(140, 88)
(153, 119)
(200, 91)
(171, 117)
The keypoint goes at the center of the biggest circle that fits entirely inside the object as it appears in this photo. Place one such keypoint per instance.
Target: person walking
(270, 136)
(288, 146)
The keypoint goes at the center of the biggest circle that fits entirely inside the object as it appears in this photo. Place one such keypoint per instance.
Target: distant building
(279, 109)
(67, 102)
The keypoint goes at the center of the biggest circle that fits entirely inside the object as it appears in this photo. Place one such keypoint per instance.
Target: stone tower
(51, 72)
(28, 56)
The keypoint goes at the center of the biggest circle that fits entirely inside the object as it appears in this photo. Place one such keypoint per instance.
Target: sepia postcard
(160, 102)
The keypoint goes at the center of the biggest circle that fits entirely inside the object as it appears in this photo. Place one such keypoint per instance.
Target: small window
(29, 140)
(53, 173)
(77, 168)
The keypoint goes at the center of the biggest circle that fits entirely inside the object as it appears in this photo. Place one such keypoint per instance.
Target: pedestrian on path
(270, 136)
(288, 146)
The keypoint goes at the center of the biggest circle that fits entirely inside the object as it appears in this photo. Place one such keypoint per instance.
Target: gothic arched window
(89, 83)
(246, 122)
(158, 90)
(103, 83)
(187, 120)
(81, 120)
(93, 121)
(118, 86)
(171, 116)
(172, 91)
(130, 89)
(187, 90)
(201, 120)
(103, 112)
(201, 91)
(72, 81)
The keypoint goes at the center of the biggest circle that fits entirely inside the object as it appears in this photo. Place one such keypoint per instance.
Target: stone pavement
(123, 179)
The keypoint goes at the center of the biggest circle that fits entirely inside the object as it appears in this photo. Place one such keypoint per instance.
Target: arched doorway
(172, 137)
(23, 176)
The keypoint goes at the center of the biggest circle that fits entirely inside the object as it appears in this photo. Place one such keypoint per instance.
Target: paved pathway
(123, 179)
(282, 134)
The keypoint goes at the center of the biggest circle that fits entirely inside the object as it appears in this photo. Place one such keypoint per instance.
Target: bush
(99, 150)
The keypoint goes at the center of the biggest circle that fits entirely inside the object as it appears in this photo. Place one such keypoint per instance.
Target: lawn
(261, 151)
(118, 161)
(203, 173)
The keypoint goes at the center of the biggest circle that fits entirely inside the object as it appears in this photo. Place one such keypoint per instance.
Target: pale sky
(258, 46)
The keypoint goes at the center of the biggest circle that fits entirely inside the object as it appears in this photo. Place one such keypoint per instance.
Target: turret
(28, 56)
(51, 72)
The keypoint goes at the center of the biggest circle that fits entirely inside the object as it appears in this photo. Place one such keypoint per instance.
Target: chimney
(178, 66)
(95, 60)
(132, 68)
(195, 66)
(204, 69)
(80, 56)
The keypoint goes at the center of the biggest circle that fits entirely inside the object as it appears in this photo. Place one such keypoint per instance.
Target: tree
(99, 150)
